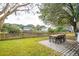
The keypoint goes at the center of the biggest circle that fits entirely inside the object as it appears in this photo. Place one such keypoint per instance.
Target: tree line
(17, 28)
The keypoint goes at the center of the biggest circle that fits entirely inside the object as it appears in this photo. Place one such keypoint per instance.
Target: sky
(24, 19)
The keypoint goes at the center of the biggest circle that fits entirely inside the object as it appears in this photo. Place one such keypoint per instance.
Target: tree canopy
(11, 28)
(7, 9)
(59, 13)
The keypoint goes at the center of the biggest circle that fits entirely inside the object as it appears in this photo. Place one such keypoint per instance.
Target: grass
(25, 47)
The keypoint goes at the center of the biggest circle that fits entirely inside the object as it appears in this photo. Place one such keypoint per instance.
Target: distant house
(27, 29)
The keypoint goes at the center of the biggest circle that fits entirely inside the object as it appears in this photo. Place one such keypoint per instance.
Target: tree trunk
(1, 23)
(2, 19)
(75, 29)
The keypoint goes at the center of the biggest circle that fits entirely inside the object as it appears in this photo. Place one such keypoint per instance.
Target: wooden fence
(6, 36)
(20, 35)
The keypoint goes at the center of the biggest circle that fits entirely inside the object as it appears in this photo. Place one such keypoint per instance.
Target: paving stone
(68, 48)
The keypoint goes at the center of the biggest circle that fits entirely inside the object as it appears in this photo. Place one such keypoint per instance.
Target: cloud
(24, 19)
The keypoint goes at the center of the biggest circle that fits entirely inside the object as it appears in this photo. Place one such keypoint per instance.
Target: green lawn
(25, 47)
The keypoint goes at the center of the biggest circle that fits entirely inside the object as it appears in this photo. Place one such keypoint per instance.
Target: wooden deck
(68, 48)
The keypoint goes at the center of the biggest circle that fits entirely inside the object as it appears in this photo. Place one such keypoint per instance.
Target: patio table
(57, 38)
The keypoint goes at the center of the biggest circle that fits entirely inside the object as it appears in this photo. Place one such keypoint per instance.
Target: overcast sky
(24, 19)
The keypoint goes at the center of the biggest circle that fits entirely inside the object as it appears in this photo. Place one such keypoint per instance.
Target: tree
(20, 26)
(11, 28)
(53, 14)
(42, 27)
(60, 29)
(39, 28)
(60, 14)
(5, 27)
(30, 26)
(7, 9)
(73, 11)
(50, 30)
(57, 29)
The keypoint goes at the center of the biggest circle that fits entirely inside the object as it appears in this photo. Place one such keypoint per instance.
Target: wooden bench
(57, 38)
